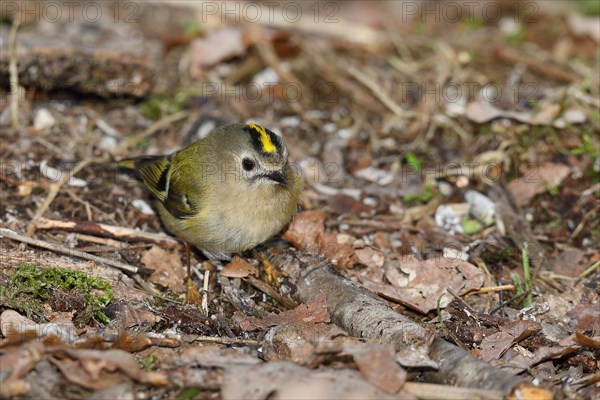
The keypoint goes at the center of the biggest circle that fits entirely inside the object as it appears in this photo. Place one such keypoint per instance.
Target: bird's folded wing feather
(179, 193)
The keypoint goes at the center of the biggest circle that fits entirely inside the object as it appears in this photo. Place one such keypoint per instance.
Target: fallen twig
(151, 130)
(335, 79)
(205, 292)
(543, 68)
(65, 250)
(110, 231)
(589, 270)
(221, 340)
(14, 74)
(446, 392)
(378, 92)
(365, 315)
(586, 217)
(269, 291)
(54, 190)
(269, 56)
(109, 243)
(362, 34)
(491, 289)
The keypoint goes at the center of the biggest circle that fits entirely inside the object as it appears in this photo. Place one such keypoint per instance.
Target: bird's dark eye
(248, 164)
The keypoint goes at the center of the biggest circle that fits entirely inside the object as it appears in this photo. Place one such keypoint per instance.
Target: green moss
(193, 28)
(517, 37)
(472, 24)
(148, 362)
(587, 147)
(29, 287)
(187, 394)
(554, 190)
(590, 7)
(595, 116)
(429, 192)
(157, 107)
(413, 161)
(470, 226)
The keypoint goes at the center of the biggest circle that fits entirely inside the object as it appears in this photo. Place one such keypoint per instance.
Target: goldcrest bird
(225, 193)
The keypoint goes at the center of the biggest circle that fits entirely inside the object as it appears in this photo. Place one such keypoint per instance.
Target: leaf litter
(379, 158)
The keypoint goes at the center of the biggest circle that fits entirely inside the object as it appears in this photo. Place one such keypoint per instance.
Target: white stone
(43, 119)
(142, 206)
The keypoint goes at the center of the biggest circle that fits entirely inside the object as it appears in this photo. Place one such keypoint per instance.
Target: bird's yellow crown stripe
(265, 139)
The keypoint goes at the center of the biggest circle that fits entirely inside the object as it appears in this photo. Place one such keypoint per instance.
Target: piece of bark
(105, 65)
(352, 307)
(363, 314)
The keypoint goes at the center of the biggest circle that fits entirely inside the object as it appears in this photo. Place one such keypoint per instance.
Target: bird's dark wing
(179, 193)
(183, 194)
(153, 171)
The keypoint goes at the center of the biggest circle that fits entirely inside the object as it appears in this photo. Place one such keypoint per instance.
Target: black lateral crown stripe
(256, 140)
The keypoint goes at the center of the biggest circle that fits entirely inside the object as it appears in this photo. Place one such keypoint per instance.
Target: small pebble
(142, 206)
(43, 119)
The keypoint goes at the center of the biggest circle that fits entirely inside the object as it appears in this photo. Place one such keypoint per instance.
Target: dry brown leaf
(483, 111)
(111, 360)
(306, 230)
(417, 355)
(570, 262)
(131, 314)
(531, 393)
(377, 363)
(72, 370)
(585, 318)
(419, 284)
(591, 342)
(344, 204)
(300, 342)
(95, 367)
(584, 25)
(14, 387)
(310, 313)
(370, 257)
(495, 345)
(18, 328)
(238, 268)
(537, 180)
(132, 342)
(520, 360)
(546, 115)
(339, 249)
(167, 266)
(217, 46)
(286, 380)
(15, 363)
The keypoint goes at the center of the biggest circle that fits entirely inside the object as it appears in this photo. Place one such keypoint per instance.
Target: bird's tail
(134, 166)
(125, 165)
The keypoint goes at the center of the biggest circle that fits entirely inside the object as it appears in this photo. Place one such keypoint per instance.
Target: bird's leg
(272, 274)
(192, 296)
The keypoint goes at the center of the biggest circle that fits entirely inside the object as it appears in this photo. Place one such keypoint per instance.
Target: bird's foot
(193, 296)
(272, 274)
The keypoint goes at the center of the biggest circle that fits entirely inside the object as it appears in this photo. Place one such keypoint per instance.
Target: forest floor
(451, 162)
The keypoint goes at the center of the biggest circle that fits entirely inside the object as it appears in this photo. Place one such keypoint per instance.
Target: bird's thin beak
(277, 176)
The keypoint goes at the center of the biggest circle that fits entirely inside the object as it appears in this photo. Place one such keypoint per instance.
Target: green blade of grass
(527, 275)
